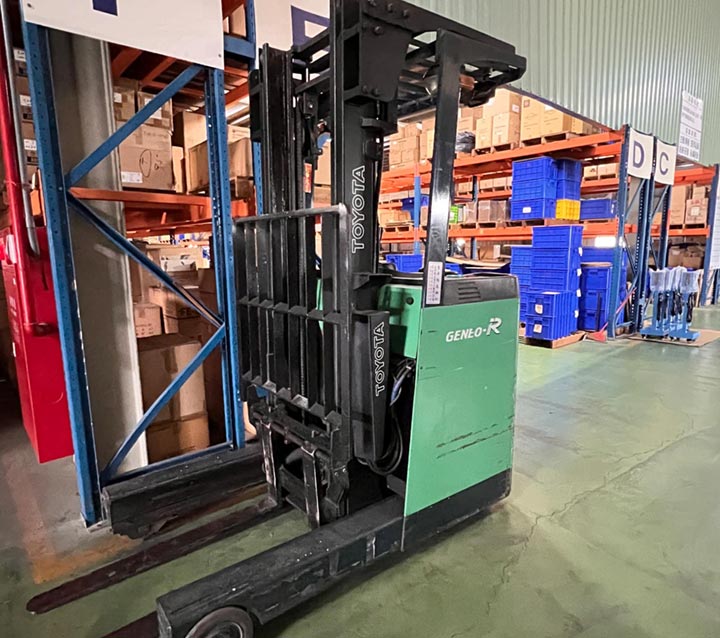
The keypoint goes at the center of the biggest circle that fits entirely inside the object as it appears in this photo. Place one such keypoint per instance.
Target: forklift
(384, 400)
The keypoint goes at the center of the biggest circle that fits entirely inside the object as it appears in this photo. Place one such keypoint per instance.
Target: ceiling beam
(123, 60)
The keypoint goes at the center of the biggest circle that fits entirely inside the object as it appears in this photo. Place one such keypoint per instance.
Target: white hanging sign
(665, 156)
(691, 117)
(640, 155)
(282, 23)
(189, 30)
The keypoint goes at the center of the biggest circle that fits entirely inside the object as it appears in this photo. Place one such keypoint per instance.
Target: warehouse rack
(599, 148)
(60, 194)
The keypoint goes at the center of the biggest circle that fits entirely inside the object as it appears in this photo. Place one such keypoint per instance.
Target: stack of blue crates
(569, 179)
(534, 189)
(593, 255)
(554, 281)
(521, 267)
(595, 299)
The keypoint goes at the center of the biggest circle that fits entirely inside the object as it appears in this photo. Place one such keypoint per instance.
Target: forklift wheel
(228, 622)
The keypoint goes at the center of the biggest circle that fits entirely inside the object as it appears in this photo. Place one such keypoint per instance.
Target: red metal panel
(38, 357)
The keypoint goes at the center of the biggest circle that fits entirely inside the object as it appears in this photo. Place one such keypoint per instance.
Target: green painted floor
(612, 529)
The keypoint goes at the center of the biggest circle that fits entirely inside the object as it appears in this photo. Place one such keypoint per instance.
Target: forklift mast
(322, 360)
(384, 401)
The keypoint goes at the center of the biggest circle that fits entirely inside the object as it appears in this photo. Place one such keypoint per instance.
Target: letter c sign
(665, 156)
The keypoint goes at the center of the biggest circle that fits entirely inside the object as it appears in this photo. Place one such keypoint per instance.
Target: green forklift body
(464, 400)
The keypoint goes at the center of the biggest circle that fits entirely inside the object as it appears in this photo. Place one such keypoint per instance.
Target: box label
(117, 98)
(30, 145)
(539, 308)
(26, 100)
(527, 209)
(19, 55)
(537, 328)
(131, 177)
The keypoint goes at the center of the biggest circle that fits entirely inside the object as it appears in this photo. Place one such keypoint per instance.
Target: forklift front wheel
(228, 622)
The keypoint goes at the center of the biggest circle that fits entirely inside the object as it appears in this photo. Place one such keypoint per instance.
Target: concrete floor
(611, 529)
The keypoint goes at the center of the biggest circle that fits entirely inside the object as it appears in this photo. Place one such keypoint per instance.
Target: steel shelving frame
(58, 199)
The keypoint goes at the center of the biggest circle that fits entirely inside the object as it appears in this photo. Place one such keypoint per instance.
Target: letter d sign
(641, 154)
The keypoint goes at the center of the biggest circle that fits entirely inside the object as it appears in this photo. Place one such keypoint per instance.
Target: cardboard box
(178, 163)
(321, 195)
(590, 172)
(146, 160)
(428, 124)
(29, 141)
(698, 192)
(696, 211)
(491, 211)
(140, 282)
(172, 305)
(324, 167)
(124, 100)
(608, 170)
(483, 132)
(502, 102)
(189, 129)
(162, 118)
(148, 320)
(693, 257)
(556, 122)
(678, 200)
(486, 184)
(531, 119)
(20, 63)
(466, 124)
(506, 129)
(161, 359)
(191, 327)
(173, 438)
(237, 23)
(675, 255)
(197, 168)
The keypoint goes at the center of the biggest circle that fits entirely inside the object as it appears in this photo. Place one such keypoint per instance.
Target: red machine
(31, 307)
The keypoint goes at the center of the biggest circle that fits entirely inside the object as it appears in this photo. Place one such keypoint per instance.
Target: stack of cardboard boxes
(146, 157)
(688, 205)
(405, 146)
(182, 425)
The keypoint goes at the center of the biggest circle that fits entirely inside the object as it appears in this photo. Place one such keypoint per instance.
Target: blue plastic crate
(569, 236)
(556, 259)
(532, 209)
(406, 263)
(597, 209)
(593, 319)
(408, 203)
(552, 304)
(549, 328)
(520, 255)
(596, 277)
(542, 168)
(414, 263)
(568, 189)
(569, 169)
(555, 280)
(534, 189)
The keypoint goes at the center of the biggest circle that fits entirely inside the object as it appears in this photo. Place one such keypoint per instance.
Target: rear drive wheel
(228, 622)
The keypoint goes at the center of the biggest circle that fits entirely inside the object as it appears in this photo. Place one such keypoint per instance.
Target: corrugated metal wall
(615, 61)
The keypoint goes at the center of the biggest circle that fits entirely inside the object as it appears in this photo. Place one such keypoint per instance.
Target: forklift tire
(227, 622)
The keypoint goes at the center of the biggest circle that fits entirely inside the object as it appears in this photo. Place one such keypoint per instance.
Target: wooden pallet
(474, 225)
(555, 343)
(522, 223)
(687, 226)
(397, 227)
(511, 146)
(545, 139)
